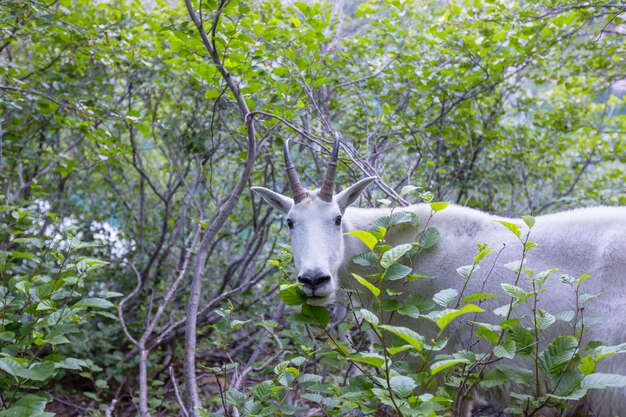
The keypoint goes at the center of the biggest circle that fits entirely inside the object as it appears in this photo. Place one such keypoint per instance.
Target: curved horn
(299, 193)
(328, 186)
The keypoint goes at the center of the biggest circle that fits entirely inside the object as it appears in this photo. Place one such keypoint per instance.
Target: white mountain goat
(583, 241)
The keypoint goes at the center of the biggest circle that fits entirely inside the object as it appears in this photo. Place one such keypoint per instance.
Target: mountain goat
(583, 241)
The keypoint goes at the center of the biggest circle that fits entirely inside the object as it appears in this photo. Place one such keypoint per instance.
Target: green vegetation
(130, 133)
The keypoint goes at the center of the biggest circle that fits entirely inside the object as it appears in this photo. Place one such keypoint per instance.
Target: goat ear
(347, 196)
(276, 200)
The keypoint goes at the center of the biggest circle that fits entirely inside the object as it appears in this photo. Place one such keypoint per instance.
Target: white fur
(584, 241)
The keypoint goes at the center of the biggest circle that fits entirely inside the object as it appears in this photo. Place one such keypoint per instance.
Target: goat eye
(290, 223)
(338, 221)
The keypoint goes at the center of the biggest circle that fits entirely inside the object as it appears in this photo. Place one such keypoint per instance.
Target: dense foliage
(128, 140)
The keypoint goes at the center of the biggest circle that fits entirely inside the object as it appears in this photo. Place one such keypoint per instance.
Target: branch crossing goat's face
(315, 222)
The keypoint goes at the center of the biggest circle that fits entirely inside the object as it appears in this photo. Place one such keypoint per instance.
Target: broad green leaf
(372, 288)
(428, 238)
(446, 297)
(479, 296)
(515, 292)
(567, 315)
(516, 374)
(529, 220)
(292, 294)
(602, 381)
(541, 277)
(488, 332)
(262, 390)
(466, 271)
(582, 278)
(365, 259)
(558, 354)
(505, 350)
(10, 366)
(511, 226)
(38, 371)
(448, 316)
(514, 266)
(370, 358)
(30, 405)
(407, 189)
(544, 320)
(439, 205)
(524, 339)
(481, 255)
(396, 271)
(316, 315)
(402, 386)
(406, 334)
(367, 238)
(368, 316)
(93, 303)
(393, 254)
(442, 365)
(603, 351)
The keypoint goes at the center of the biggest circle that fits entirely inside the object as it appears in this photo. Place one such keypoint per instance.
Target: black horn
(299, 194)
(328, 186)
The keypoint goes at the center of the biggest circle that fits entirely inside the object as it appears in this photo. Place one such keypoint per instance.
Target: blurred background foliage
(117, 129)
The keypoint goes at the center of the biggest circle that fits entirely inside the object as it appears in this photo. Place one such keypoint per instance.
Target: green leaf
(582, 278)
(30, 405)
(315, 315)
(368, 316)
(402, 386)
(541, 277)
(516, 374)
(479, 296)
(524, 339)
(442, 365)
(370, 358)
(515, 292)
(602, 381)
(396, 271)
(11, 366)
(235, 324)
(262, 390)
(487, 332)
(365, 259)
(439, 205)
(514, 266)
(544, 320)
(210, 94)
(558, 354)
(367, 238)
(448, 316)
(408, 335)
(601, 352)
(505, 350)
(235, 397)
(291, 294)
(466, 271)
(529, 220)
(446, 297)
(372, 288)
(93, 303)
(428, 238)
(408, 189)
(481, 255)
(393, 254)
(46, 305)
(511, 226)
(38, 371)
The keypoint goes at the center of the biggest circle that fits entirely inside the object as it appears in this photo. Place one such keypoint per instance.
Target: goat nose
(313, 281)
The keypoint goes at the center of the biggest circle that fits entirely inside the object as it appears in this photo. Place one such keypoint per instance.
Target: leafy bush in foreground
(44, 299)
